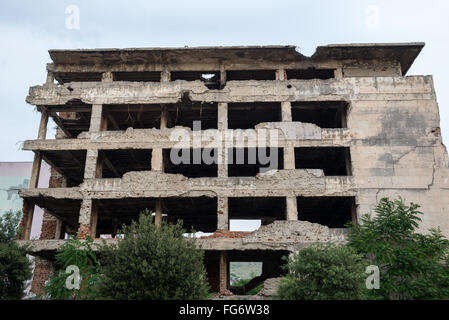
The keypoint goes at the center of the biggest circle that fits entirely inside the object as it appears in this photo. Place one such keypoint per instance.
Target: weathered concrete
(390, 129)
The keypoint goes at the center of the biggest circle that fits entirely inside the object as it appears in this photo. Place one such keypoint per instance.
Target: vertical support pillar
(97, 120)
(289, 152)
(157, 163)
(222, 213)
(281, 74)
(165, 76)
(50, 78)
(164, 117)
(43, 125)
(338, 72)
(93, 168)
(158, 212)
(223, 272)
(222, 125)
(222, 76)
(107, 77)
(286, 109)
(292, 209)
(88, 219)
(28, 206)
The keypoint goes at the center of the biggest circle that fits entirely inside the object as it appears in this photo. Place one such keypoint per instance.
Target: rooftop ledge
(405, 53)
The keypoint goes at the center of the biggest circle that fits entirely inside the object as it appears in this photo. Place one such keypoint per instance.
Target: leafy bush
(15, 267)
(153, 262)
(324, 272)
(412, 265)
(75, 253)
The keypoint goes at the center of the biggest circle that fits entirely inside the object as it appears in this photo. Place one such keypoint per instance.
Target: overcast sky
(29, 28)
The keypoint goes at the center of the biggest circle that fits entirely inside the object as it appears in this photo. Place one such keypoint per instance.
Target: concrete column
(43, 126)
(157, 160)
(338, 72)
(50, 78)
(165, 76)
(222, 213)
(88, 219)
(292, 209)
(222, 116)
(222, 76)
(93, 168)
(223, 271)
(158, 212)
(35, 170)
(289, 158)
(286, 109)
(222, 125)
(281, 74)
(27, 219)
(164, 117)
(97, 120)
(107, 77)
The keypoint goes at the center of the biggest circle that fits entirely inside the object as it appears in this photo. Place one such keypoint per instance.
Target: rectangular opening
(333, 212)
(69, 163)
(247, 210)
(192, 163)
(67, 210)
(211, 79)
(334, 161)
(198, 213)
(186, 112)
(248, 269)
(310, 73)
(66, 77)
(232, 75)
(248, 162)
(137, 116)
(324, 114)
(72, 118)
(143, 76)
(116, 163)
(248, 115)
(247, 225)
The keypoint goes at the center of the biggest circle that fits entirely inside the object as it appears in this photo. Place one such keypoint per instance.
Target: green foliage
(412, 265)
(153, 262)
(14, 265)
(324, 272)
(78, 253)
(254, 290)
(9, 226)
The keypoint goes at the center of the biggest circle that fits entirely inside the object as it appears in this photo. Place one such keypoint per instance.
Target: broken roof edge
(405, 53)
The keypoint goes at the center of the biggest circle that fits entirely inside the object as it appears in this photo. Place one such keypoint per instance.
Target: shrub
(75, 253)
(15, 267)
(412, 265)
(324, 272)
(153, 262)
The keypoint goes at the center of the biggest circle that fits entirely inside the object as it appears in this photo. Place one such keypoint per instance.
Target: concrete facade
(346, 128)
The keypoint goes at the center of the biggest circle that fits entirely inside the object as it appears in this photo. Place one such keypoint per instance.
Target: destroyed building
(351, 129)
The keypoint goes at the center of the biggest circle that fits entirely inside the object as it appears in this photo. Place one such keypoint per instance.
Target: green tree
(412, 265)
(153, 262)
(15, 267)
(324, 272)
(79, 253)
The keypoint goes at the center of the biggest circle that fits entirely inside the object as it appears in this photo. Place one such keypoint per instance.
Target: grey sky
(29, 28)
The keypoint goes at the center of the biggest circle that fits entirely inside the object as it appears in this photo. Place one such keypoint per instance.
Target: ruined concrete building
(351, 128)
